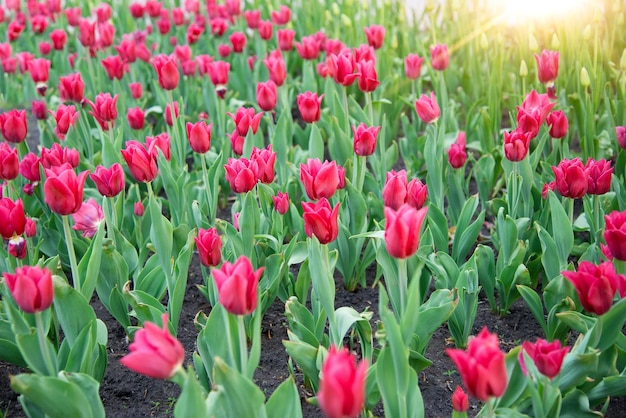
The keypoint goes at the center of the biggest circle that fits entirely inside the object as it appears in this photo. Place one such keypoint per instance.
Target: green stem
(72, 255)
(229, 337)
(205, 181)
(243, 345)
(514, 190)
(346, 109)
(403, 284)
(370, 107)
(43, 346)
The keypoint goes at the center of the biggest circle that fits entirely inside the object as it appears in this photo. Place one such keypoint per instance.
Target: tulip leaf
(305, 356)
(72, 309)
(112, 277)
(249, 222)
(562, 230)
(32, 353)
(178, 284)
(438, 225)
(89, 265)
(192, 399)
(285, 401)
(161, 235)
(608, 386)
(612, 322)
(316, 143)
(466, 234)
(346, 317)
(549, 254)
(151, 278)
(241, 397)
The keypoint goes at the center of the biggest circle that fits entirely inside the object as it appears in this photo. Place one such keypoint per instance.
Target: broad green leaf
(285, 401)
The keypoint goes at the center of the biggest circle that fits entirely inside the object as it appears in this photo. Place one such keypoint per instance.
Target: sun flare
(519, 12)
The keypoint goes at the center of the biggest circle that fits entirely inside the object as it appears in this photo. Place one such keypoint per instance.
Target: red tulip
(63, 189)
(194, 32)
(253, 18)
(86, 33)
(24, 58)
(538, 106)
(153, 8)
(218, 71)
(482, 366)
(309, 49)
(141, 163)
(9, 162)
(155, 352)
(595, 285)
(321, 220)
(460, 402)
(13, 125)
(375, 35)
(320, 180)
(547, 66)
(263, 161)
(114, 66)
(281, 202)
(402, 230)
(160, 142)
(427, 108)
(620, 134)
(282, 16)
(138, 209)
(209, 246)
(599, 175)
(104, 110)
(31, 288)
(246, 119)
(285, 39)
(65, 117)
(413, 66)
(364, 142)
(136, 118)
(103, 12)
(136, 90)
(199, 136)
(14, 30)
(416, 193)
(39, 70)
(88, 218)
(516, 145)
(169, 119)
(9, 65)
(395, 189)
(368, 79)
(13, 218)
(58, 38)
(167, 72)
(439, 58)
(39, 109)
(266, 95)
(342, 384)
(456, 153)
(236, 142)
(276, 68)
(548, 357)
(266, 30)
(309, 105)
(238, 41)
(29, 167)
(57, 155)
(342, 67)
(237, 286)
(570, 178)
(219, 26)
(38, 24)
(615, 234)
(106, 32)
(109, 181)
(72, 88)
(364, 52)
(241, 175)
(558, 124)
(45, 48)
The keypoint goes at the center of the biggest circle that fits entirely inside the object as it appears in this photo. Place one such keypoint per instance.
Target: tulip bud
(523, 69)
(138, 209)
(209, 245)
(335, 9)
(556, 44)
(237, 285)
(460, 402)
(342, 384)
(345, 21)
(532, 42)
(584, 78)
(31, 288)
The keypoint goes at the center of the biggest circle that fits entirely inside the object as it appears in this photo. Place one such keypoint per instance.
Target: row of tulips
(319, 190)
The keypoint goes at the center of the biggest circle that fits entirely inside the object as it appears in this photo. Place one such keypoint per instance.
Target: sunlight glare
(522, 11)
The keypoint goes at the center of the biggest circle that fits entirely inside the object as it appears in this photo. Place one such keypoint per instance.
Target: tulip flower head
(13, 218)
(31, 288)
(364, 143)
(63, 189)
(9, 162)
(281, 202)
(615, 234)
(209, 245)
(460, 402)
(439, 58)
(266, 95)
(413, 66)
(309, 105)
(599, 174)
(65, 117)
(375, 35)
(516, 144)
(482, 366)
(547, 67)
(558, 124)
(595, 285)
(155, 352)
(456, 153)
(140, 161)
(548, 357)
(246, 119)
(620, 134)
(167, 72)
(342, 384)
(109, 181)
(403, 229)
(427, 108)
(570, 178)
(320, 220)
(13, 125)
(88, 218)
(237, 285)
(319, 179)
(199, 136)
(241, 175)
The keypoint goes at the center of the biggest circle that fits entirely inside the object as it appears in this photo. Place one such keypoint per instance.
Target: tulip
(114, 66)
(63, 189)
(266, 30)
(136, 118)
(155, 352)
(285, 39)
(104, 110)
(375, 35)
(138, 209)
(460, 402)
(595, 285)
(548, 357)
(364, 52)
(537, 106)
(87, 33)
(169, 120)
(167, 72)
(218, 71)
(209, 246)
(39, 69)
(368, 79)
(558, 124)
(24, 59)
(336, 47)
(65, 117)
(309, 49)
(160, 142)
(282, 16)
(31, 288)
(58, 38)
(439, 58)
(88, 218)
(127, 50)
(263, 161)
(45, 48)
(194, 31)
(320, 180)
(9, 65)
(109, 181)
(321, 220)
(342, 384)
(219, 26)
(620, 134)
(482, 366)
(241, 175)
(72, 88)
(456, 153)
(253, 18)
(9, 162)
(238, 41)
(246, 119)
(427, 108)
(136, 90)
(266, 95)
(343, 67)
(570, 178)
(14, 30)
(199, 136)
(236, 142)
(29, 167)
(237, 286)
(276, 68)
(516, 144)
(599, 175)
(547, 66)
(416, 193)
(402, 230)
(365, 139)
(58, 155)
(615, 234)
(395, 189)
(413, 66)
(39, 109)
(73, 15)
(141, 163)
(13, 125)
(309, 105)
(13, 218)
(281, 202)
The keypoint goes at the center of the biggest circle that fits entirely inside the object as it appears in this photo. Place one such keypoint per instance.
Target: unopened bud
(328, 16)
(584, 78)
(556, 44)
(484, 42)
(523, 69)
(345, 20)
(394, 41)
(532, 42)
(335, 9)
